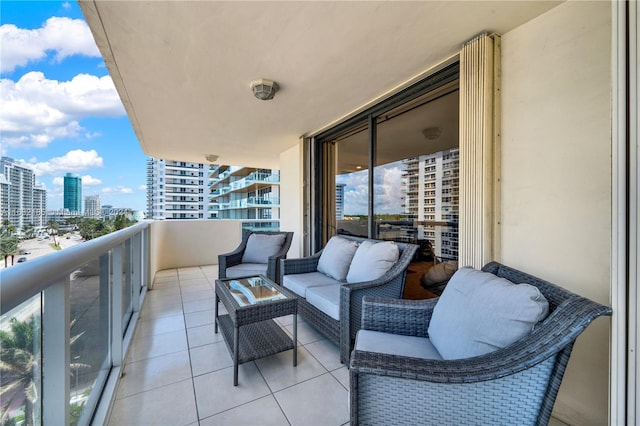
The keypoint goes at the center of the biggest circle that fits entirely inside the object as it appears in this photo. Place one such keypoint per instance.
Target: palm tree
(52, 229)
(29, 230)
(19, 364)
(8, 246)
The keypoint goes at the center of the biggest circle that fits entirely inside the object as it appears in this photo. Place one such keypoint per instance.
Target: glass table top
(253, 290)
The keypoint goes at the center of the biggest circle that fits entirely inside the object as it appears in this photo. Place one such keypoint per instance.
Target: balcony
(164, 341)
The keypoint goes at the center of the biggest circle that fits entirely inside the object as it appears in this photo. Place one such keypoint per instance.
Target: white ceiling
(183, 68)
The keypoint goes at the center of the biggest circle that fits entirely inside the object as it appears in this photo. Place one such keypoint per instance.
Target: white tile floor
(179, 372)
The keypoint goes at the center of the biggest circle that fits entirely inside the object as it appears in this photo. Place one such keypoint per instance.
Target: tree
(8, 246)
(19, 358)
(19, 365)
(52, 229)
(29, 230)
(120, 222)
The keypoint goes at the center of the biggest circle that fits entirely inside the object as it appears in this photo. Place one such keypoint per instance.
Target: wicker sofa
(516, 384)
(333, 306)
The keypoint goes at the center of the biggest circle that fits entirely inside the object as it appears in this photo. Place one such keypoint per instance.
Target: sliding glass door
(392, 172)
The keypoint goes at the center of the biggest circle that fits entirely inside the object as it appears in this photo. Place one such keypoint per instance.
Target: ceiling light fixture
(264, 89)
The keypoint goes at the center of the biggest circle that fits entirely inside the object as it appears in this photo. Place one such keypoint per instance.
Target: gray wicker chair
(343, 332)
(514, 385)
(227, 260)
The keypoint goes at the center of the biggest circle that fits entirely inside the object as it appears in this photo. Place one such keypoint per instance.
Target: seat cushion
(336, 257)
(299, 283)
(326, 299)
(246, 269)
(479, 313)
(262, 246)
(396, 344)
(372, 260)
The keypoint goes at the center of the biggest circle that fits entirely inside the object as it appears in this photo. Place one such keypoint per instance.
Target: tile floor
(179, 372)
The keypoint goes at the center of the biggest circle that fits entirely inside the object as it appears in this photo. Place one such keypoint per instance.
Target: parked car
(22, 259)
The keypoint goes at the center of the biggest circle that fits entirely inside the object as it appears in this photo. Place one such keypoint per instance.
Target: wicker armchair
(343, 331)
(234, 258)
(514, 385)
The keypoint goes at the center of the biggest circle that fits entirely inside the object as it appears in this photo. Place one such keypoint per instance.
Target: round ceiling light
(264, 89)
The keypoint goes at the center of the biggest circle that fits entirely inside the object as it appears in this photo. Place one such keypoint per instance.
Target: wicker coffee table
(248, 329)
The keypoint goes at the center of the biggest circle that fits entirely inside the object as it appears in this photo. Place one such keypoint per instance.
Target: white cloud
(35, 110)
(118, 190)
(88, 180)
(63, 36)
(142, 187)
(388, 190)
(73, 161)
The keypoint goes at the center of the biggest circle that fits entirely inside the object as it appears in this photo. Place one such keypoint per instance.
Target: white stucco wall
(556, 176)
(291, 197)
(183, 243)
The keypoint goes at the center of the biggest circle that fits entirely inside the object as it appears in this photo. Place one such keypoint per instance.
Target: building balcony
(178, 371)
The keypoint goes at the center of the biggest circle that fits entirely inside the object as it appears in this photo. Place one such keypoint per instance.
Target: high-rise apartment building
(73, 192)
(92, 206)
(340, 201)
(23, 202)
(246, 193)
(431, 199)
(176, 189)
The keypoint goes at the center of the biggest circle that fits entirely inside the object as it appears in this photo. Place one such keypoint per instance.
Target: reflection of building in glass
(23, 202)
(340, 200)
(92, 206)
(72, 192)
(176, 189)
(245, 193)
(432, 191)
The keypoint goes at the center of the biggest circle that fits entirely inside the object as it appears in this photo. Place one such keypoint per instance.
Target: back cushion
(336, 257)
(479, 313)
(262, 246)
(372, 260)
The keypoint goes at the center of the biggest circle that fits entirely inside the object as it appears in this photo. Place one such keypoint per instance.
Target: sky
(59, 110)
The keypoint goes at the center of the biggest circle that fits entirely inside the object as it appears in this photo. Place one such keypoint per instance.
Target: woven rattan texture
(343, 331)
(550, 343)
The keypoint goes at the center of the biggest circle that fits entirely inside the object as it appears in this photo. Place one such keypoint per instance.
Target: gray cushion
(396, 344)
(336, 257)
(372, 260)
(299, 283)
(246, 269)
(262, 246)
(479, 313)
(326, 299)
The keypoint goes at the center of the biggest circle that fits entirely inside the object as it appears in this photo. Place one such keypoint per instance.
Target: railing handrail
(20, 283)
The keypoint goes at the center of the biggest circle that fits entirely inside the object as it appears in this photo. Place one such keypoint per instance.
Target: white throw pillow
(262, 246)
(372, 260)
(336, 257)
(480, 312)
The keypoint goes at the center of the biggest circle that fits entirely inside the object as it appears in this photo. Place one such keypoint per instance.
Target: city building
(73, 192)
(246, 193)
(340, 201)
(432, 189)
(176, 189)
(23, 201)
(92, 206)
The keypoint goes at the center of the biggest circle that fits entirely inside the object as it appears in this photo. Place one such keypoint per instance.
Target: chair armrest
(299, 265)
(554, 335)
(397, 316)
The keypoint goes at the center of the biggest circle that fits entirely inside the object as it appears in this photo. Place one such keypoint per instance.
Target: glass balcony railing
(62, 333)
